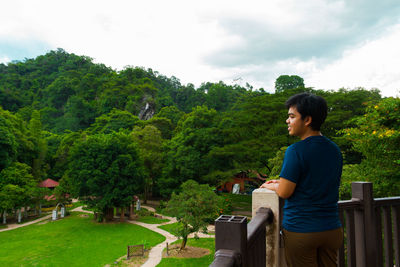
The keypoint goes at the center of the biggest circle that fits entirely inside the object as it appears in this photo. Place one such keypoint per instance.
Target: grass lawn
(74, 205)
(72, 241)
(151, 220)
(239, 202)
(208, 243)
(169, 227)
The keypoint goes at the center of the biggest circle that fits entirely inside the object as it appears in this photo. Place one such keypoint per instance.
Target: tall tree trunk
(146, 192)
(109, 214)
(4, 217)
(131, 211)
(183, 244)
(122, 216)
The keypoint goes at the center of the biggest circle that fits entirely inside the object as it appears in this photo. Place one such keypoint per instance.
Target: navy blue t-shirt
(315, 165)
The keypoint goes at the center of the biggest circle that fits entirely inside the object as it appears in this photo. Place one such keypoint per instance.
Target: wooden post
(231, 235)
(365, 230)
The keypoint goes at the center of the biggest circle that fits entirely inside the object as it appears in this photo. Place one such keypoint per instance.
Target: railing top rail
(226, 258)
(388, 201)
(349, 204)
(264, 216)
(378, 202)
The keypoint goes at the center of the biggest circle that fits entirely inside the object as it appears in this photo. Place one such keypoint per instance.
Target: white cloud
(4, 60)
(201, 41)
(372, 65)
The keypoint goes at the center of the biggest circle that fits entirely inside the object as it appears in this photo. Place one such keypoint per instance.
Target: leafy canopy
(105, 170)
(193, 207)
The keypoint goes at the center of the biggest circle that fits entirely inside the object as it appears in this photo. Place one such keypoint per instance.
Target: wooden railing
(369, 241)
(240, 244)
(371, 230)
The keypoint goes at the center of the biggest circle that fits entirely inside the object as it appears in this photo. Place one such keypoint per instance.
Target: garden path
(155, 255)
(18, 225)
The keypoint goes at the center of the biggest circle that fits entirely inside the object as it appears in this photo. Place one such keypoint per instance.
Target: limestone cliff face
(147, 110)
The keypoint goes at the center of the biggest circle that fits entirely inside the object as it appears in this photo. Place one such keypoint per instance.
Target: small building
(51, 184)
(246, 183)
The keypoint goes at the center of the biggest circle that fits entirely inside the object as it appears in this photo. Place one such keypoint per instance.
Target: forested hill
(71, 91)
(55, 105)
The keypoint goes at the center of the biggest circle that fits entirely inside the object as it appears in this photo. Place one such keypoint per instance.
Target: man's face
(296, 126)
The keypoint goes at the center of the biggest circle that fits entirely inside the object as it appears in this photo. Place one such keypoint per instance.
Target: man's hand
(271, 185)
(283, 187)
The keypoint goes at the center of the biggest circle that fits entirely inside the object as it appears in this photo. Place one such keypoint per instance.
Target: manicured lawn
(74, 205)
(169, 227)
(72, 241)
(239, 202)
(208, 243)
(151, 220)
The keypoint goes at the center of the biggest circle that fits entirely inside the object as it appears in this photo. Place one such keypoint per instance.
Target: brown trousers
(318, 249)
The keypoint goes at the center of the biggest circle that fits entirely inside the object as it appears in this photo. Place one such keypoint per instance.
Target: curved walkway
(155, 255)
(16, 225)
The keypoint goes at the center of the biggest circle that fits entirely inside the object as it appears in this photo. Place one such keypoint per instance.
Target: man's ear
(308, 120)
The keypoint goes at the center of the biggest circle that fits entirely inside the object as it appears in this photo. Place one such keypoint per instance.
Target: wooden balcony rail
(371, 231)
(369, 242)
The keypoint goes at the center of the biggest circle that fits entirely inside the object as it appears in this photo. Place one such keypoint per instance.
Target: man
(309, 181)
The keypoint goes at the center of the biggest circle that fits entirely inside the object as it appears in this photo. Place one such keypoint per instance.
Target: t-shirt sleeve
(291, 167)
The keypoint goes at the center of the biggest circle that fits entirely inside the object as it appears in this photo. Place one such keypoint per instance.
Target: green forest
(106, 135)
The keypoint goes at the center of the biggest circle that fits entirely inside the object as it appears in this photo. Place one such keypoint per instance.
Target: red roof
(51, 197)
(48, 183)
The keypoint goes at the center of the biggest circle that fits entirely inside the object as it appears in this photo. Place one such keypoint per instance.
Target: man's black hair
(310, 105)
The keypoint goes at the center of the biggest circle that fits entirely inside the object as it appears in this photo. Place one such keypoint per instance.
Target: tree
(59, 91)
(164, 125)
(187, 152)
(192, 207)
(59, 159)
(114, 121)
(17, 186)
(105, 171)
(286, 82)
(35, 127)
(8, 145)
(377, 138)
(252, 131)
(150, 146)
(220, 96)
(78, 114)
(172, 113)
(343, 106)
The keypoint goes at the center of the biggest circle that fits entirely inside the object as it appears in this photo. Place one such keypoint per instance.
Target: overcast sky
(331, 44)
